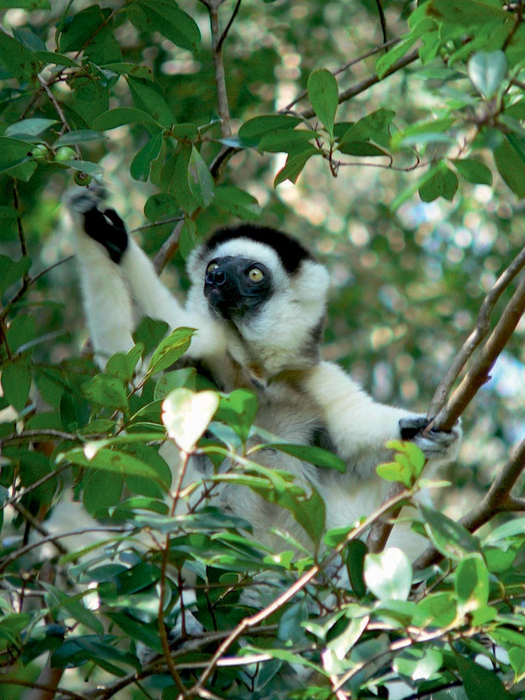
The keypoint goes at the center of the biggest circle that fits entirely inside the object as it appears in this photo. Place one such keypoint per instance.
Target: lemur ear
(312, 281)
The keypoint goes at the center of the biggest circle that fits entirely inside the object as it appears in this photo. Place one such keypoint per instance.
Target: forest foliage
(390, 138)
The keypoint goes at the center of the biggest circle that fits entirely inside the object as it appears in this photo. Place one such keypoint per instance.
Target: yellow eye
(212, 266)
(255, 274)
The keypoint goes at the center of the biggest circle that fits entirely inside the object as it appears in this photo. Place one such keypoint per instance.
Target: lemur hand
(434, 444)
(106, 227)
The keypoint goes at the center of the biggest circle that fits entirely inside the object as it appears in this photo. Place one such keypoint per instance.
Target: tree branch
(496, 500)
(351, 63)
(382, 19)
(363, 85)
(30, 281)
(168, 248)
(477, 335)
(217, 40)
(476, 377)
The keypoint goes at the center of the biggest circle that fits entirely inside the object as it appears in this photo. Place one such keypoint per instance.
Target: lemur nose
(216, 277)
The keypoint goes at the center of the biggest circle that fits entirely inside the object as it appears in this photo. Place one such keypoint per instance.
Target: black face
(236, 287)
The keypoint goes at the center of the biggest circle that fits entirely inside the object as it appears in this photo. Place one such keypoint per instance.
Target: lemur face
(237, 287)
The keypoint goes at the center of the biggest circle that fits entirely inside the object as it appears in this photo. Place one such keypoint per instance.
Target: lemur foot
(436, 444)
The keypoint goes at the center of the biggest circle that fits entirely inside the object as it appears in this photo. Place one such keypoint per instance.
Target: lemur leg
(360, 427)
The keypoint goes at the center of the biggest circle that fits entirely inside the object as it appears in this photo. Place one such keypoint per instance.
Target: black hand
(108, 229)
(410, 427)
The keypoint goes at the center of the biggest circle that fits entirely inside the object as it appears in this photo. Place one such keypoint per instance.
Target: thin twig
(40, 686)
(344, 67)
(249, 622)
(51, 538)
(59, 111)
(50, 475)
(478, 334)
(163, 632)
(168, 249)
(367, 83)
(496, 500)
(382, 19)
(34, 522)
(229, 25)
(218, 63)
(157, 223)
(477, 376)
(31, 281)
(21, 234)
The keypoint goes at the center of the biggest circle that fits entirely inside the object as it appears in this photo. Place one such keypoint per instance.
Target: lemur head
(267, 289)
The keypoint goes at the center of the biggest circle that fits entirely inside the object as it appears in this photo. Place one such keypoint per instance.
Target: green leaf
(472, 583)
(186, 415)
(286, 141)
(13, 152)
(510, 162)
(119, 116)
(487, 70)
(82, 136)
(449, 537)
(170, 350)
(188, 237)
(517, 660)
(200, 180)
(131, 69)
(323, 93)
(56, 58)
(437, 609)
(418, 664)
(149, 97)
(254, 129)
(356, 552)
(408, 465)
(389, 574)
(294, 165)
(236, 202)
(238, 410)
(167, 19)
(26, 4)
(441, 183)
(106, 390)
(375, 126)
(123, 365)
(141, 163)
(363, 149)
(465, 13)
(80, 29)
(16, 58)
(11, 271)
(385, 62)
(74, 608)
(175, 380)
(85, 166)
(473, 171)
(313, 455)
(16, 384)
(479, 682)
(146, 633)
(29, 127)
(102, 490)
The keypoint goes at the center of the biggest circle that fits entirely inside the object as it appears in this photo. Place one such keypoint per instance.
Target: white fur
(257, 352)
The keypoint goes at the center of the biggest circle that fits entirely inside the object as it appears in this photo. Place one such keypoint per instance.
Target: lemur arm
(115, 273)
(360, 427)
